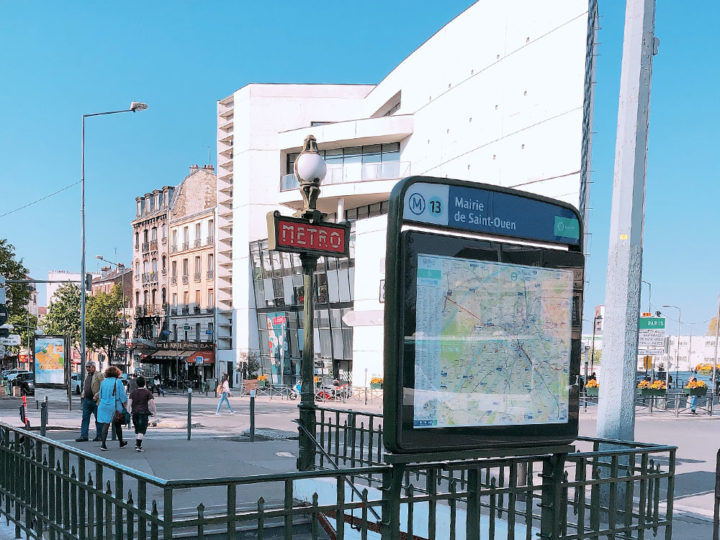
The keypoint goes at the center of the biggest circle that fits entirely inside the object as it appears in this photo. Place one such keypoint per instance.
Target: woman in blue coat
(112, 398)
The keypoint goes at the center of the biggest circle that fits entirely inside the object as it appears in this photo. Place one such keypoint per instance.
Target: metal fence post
(391, 493)
(551, 513)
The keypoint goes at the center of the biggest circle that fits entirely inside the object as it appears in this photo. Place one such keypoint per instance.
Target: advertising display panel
(482, 341)
(51, 359)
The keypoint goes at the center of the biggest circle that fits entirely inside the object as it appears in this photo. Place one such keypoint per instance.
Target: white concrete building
(491, 97)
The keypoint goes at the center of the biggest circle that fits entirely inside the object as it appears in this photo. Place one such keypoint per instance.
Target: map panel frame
(441, 234)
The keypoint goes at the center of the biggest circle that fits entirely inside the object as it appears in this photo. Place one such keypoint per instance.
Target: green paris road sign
(651, 323)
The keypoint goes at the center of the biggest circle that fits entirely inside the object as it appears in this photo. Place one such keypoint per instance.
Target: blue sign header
(494, 212)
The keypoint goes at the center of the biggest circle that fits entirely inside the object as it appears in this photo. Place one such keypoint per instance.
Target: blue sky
(59, 60)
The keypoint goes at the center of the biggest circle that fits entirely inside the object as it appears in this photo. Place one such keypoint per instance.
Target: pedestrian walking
(91, 387)
(158, 385)
(142, 406)
(112, 399)
(224, 390)
(693, 398)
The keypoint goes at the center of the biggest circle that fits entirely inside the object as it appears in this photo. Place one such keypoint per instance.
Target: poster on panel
(51, 355)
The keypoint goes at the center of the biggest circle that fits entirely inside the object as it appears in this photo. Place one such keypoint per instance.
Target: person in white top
(224, 391)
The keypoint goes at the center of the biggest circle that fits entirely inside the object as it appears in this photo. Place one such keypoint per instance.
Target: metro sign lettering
(297, 235)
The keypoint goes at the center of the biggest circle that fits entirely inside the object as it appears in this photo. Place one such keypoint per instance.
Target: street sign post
(3, 314)
(651, 336)
(12, 340)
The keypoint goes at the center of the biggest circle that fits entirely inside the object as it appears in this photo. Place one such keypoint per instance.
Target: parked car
(11, 376)
(26, 382)
(6, 373)
(77, 382)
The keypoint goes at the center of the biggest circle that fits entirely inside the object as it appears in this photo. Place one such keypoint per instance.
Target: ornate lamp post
(310, 169)
(307, 235)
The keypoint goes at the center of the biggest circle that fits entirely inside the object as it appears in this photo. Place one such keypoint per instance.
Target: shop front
(200, 365)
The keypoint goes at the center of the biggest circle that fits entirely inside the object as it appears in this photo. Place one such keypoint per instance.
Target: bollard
(189, 421)
(43, 417)
(252, 415)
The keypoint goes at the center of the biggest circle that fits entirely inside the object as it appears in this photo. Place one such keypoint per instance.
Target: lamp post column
(82, 258)
(306, 458)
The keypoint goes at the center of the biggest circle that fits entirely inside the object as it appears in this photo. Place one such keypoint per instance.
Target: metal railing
(612, 489)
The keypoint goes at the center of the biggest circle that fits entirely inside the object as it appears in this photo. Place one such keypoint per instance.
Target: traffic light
(88, 282)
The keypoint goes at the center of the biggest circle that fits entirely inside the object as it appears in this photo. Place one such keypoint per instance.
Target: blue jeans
(693, 403)
(224, 397)
(89, 407)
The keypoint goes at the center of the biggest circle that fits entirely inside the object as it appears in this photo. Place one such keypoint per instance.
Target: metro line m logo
(417, 204)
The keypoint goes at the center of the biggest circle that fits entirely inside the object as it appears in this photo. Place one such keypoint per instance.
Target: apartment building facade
(192, 274)
(150, 269)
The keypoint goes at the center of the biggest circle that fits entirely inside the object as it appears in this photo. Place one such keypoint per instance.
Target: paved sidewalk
(218, 448)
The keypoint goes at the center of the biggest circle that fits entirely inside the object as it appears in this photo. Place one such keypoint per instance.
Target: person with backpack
(142, 406)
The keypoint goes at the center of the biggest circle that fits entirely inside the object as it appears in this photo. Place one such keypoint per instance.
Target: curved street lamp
(134, 107)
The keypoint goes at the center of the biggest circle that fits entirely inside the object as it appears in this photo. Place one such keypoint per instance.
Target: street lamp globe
(310, 167)
(310, 170)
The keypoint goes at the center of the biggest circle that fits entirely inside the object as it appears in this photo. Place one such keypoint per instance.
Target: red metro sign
(297, 235)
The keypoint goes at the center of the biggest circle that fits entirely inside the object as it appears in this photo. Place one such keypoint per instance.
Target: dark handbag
(121, 416)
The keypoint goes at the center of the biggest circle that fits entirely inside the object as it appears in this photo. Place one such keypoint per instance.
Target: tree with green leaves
(63, 316)
(18, 294)
(104, 320)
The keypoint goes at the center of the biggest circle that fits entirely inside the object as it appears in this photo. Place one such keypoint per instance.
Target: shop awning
(201, 358)
(165, 356)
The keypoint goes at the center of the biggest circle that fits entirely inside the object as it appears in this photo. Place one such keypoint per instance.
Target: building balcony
(164, 271)
(153, 245)
(198, 242)
(173, 280)
(210, 240)
(173, 248)
(186, 245)
(197, 276)
(164, 240)
(358, 184)
(153, 277)
(145, 247)
(145, 278)
(350, 173)
(195, 308)
(184, 309)
(185, 280)
(210, 274)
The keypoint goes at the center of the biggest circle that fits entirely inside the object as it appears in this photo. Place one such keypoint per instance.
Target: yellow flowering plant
(696, 384)
(376, 380)
(655, 385)
(262, 378)
(592, 383)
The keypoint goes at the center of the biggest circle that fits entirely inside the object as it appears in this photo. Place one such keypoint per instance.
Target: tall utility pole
(616, 409)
